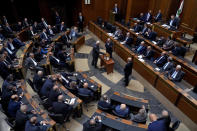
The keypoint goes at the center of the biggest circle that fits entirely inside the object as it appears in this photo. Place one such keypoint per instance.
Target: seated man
(141, 17)
(22, 116)
(144, 30)
(34, 125)
(62, 27)
(17, 42)
(60, 107)
(150, 35)
(158, 17)
(166, 117)
(128, 39)
(148, 16)
(141, 116)
(176, 50)
(160, 61)
(122, 110)
(173, 22)
(156, 125)
(85, 91)
(149, 54)
(137, 27)
(73, 32)
(105, 103)
(47, 86)
(94, 124)
(4, 67)
(50, 31)
(44, 35)
(31, 32)
(176, 74)
(168, 66)
(31, 63)
(10, 49)
(63, 56)
(14, 105)
(141, 49)
(168, 45)
(66, 39)
(55, 61)
(38, 80)
(53, 95)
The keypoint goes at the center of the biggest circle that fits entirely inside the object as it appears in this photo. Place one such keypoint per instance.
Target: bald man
(34, 125)
(38, 80)
(53, 95)
(176, 74)
(85, 91)
(94, 124)
(13, 106)
(122, 110)
(128, 70)
(95, 54)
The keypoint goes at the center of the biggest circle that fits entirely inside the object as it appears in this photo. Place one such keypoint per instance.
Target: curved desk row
(184, 101)
(190, 71)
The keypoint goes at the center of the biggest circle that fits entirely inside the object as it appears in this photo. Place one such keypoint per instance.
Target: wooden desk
(41, 114)
(23, 35)
(78, 42)
(119, 124)
(109, 64)
(186, 103)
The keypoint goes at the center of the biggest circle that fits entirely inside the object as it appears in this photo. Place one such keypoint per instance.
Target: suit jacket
(174, 22)
(29, 63)
(120, 112)
(9, 47)
(109, 47)
(152, 36)
(18, 27)
(88, 127)
(38, 82)
(65, 39)
(144, 30)
(85, 91)
(115, 10)
(42, 25)
(158, 17)
(128, 68)
(5, 71)
(80, 21)
(142, 50)
(43, 36)
(13, 107)
(149, 54)
(36, 28)
(178, 77)
(18, 43)
(168, 66)
(149, 19)
(37, 127)
(53, 96)
(158, 125)
(46, 88)
(61, 56)
(53, 61)
(160, 61)
(61, 108)
(129, 41)
(8, 30)
(62, 28)
(21, 119)
(137, 28)
(169, 45)
(176, 51)
(96, 51)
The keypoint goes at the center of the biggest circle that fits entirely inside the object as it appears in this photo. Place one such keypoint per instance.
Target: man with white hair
(95, 54)
(141, 116)
(128, 39)
(176, 74)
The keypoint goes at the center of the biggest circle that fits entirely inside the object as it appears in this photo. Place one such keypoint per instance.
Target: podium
(108, 64)
(111, 17)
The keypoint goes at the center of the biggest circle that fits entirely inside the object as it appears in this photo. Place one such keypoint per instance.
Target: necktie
(166, 65)
(160, 58)
(174, 74)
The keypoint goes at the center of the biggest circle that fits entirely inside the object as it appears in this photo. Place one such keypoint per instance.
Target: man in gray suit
(175, 74)
(168, 66)
(31, 63)
(141, 116)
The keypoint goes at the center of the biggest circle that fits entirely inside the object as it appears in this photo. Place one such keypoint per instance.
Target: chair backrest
(183, 52)
(114, 112)
(58, 118)
(176, 125)
(102, 108)
(85, 98)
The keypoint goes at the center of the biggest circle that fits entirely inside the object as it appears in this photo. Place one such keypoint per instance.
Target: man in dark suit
(176, 50)
(116, 11)
(47, 86)
(168, 66)
(141, 49)
(144, 30)
(85, 91)
(80, 22)
(158, 17)
(44, 35)
(173, 23)
(36, 27)
(141, 116)
(166, 118)
(26, 23)
(160, 61)
(62, 27)
(31, 32)
(105, 103)
(53, 95)
(22, 116)
(8, 30)
(176, 74)
(128, 70)
(150, 35)
(60, 107)
(109, 47)
(128, 39)
(17, 42)
(95, 54)
(19, 27)
(122, 110)
(156, 125)
(54, 61)
(149, 54)
(62, 56)
(34, 125)
(148, 16)
(14, 105)
(50, 31)
(168, 45)
(137, 27)
(94, 124)
(38, 80)
(141, 17)
(43, 24)
(4, 67)
(66, 39)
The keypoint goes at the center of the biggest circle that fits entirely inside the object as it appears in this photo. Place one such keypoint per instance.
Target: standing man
(128, 70)
(116, 12)
(80, 22)
(95, 54)
(109, 47)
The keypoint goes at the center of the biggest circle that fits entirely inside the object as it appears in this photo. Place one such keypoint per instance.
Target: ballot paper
(157, 69)
(72, 101)
(137, 33)
(140, 56)
(164, 25)
(148, 23)
(142, 60)
(92, 86)
(154, 42)
(131, 29)
(122, 43)
(115, 38)
(65, 79)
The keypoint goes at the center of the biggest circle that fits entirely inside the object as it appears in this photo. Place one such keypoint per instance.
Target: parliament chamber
(98, 65)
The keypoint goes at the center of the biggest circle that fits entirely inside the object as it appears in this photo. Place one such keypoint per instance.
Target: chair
(121, 116)
(102, 108)
(32, 85)
(86, 99)
(175, 125)
(58, 118)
